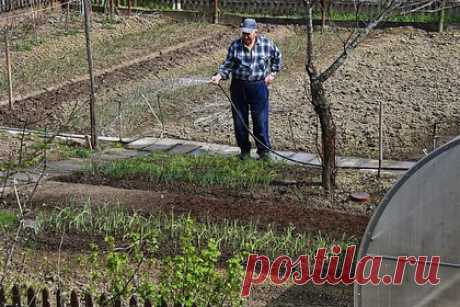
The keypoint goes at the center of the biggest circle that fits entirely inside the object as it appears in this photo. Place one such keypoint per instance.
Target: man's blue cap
(248, 25)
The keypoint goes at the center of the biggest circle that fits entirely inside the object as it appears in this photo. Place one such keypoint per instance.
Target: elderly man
(253, 60)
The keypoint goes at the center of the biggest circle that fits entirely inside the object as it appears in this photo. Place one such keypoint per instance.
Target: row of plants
(229, 235)
(205, 170)
(203, 263)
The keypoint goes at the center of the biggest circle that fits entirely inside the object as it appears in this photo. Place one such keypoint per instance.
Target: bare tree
(317, 79)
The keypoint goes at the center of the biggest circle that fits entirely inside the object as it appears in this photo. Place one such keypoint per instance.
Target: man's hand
(215, 79)
(269, 79)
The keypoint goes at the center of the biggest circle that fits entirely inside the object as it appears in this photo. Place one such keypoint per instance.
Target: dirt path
(209, 207)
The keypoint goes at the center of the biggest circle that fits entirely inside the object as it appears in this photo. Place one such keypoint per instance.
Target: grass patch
(338, 16)
(28, 44)
(203, 170)
(7, 219)
(67, 152)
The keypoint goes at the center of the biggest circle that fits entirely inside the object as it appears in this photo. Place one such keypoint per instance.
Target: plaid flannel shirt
(254, 64)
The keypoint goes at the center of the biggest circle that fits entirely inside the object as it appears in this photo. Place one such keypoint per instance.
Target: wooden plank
(46, 298)
(31, 299)
(117, 302)
(103, 301)
(16, 296)
(74, 299)
(2, 297)
(88, 300)
(59, 298)
(133, 301)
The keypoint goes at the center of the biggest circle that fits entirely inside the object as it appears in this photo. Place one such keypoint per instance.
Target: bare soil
(412, 72)
(210, 208)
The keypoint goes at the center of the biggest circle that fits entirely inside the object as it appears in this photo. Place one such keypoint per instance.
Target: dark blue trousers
(250, 96)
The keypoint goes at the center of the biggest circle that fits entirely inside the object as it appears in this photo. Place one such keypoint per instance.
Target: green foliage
(7, 219)
(66, 152)
(341, 15)
(202, 170)
(228, 235)
(117, 268)
(192, 277)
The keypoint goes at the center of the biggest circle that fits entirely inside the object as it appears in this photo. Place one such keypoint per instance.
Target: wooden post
(45, 298)
(73, 297)
(291, 130)
(129, 7)
(103, 300)
(120, 122)
(2, 297)
(161, 116)
(67, 13)
(89, 53)
(111, 9)
(59, 300)
(8, 71)
(117, 302)
(88, 300)
(16, 296)
(133, 301)
(442, 16)
(31, 299)
(380, 137)
(216, 11)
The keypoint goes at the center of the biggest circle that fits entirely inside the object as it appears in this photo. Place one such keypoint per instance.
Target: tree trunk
(323, 14)
(328, 134)
(442, 16)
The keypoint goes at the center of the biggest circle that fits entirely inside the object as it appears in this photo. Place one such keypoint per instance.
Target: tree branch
(310, 66)
(355, 40)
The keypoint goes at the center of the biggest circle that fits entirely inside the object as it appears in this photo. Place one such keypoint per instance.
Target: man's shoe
(245, 156)
(265, 156)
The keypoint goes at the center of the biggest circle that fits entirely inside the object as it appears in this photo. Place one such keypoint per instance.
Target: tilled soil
(412, 72)
(48, 108)
(210, 208)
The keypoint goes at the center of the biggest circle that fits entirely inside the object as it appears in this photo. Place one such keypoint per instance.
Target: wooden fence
(43, 299)
(257, 7)
(12, 5)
